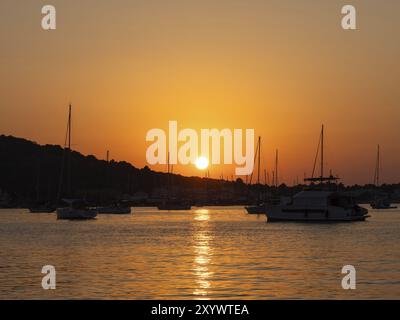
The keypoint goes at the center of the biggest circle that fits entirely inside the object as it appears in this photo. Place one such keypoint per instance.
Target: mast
(276, 168)
(256, 158)
(65, 157)
(265, 184)
(168, 177)
(69, 127)
(320, 149)
(322, 153)
(69, 151)
(259, 151)
(377, 166)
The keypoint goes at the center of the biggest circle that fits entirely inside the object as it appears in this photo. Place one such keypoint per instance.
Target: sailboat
(115, 208)
(45, 208)
(38, 207)
(319, 203)
(170, 203)
(76, 209)
(259, 208)
(380, 202)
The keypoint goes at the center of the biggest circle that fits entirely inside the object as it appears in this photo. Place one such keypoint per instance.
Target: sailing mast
(259, 151)
(256, 158)
(168, 178)
(276, 168)
(69, 151)
(320, 149)
(67, 146)
(377, 167)
(322, 153)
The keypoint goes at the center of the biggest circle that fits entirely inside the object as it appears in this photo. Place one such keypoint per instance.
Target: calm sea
(205, 253)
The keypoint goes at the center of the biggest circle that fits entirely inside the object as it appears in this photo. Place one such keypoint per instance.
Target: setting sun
(201, 163)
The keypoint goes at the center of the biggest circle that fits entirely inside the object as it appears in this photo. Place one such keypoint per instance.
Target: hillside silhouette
(30, 173)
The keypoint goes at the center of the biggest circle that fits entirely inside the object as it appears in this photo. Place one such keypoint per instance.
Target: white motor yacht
(317, 205)
(319, 202)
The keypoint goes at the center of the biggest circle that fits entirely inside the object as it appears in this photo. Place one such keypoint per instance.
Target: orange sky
(281, 67)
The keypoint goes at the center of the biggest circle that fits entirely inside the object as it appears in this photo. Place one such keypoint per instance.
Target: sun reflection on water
(202, 254)
(201, 215)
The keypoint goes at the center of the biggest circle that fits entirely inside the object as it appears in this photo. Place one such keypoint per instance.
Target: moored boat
(42, 209)
(172, 203)
(317, 205)
(259, 207)
(321, 203)
(76, 210)
(380, 201)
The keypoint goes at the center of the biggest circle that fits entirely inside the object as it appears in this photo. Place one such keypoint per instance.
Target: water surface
(205, 253)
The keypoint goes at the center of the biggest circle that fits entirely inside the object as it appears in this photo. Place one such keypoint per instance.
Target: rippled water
(205, 253)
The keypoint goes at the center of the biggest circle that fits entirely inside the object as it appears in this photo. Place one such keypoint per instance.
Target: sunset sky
(281, 67)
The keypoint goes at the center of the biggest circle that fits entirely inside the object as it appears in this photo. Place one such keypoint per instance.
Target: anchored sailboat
(76, 209)
(171, 203)
(259, 208)
(380, 201)
(318, 203)
(117, 207)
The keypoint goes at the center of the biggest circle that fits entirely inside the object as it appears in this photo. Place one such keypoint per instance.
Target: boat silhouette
(317, 203)
(76, 209)
(380, 201)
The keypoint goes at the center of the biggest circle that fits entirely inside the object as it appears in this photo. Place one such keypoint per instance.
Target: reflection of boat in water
(317, 203)
(380, 201)
(114, 209)
(76, 210)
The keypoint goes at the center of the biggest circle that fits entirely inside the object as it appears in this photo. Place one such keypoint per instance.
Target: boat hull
(382, 207)
(76, 214)
(329, 214)
(41, 210)
(321, 219)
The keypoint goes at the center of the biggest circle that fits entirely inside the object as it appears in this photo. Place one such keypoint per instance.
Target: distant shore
(31, 173)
